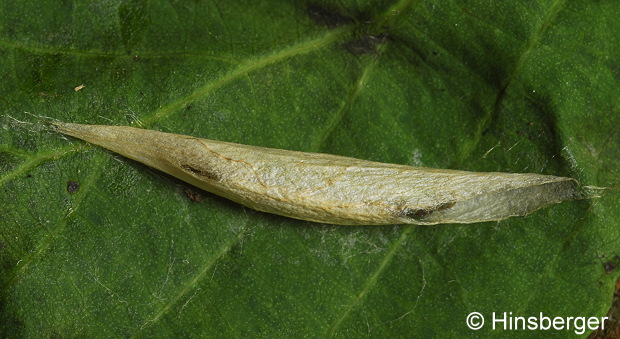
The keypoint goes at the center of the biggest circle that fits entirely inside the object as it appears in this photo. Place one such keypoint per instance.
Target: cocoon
(328, 188)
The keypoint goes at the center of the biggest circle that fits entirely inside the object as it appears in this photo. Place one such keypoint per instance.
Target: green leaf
(95, 245)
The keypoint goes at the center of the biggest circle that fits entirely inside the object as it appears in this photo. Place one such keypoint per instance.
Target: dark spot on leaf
(73, 187)
(611, 265)
(201, 172)
(189, 107)
(326, 17)
(365, 45)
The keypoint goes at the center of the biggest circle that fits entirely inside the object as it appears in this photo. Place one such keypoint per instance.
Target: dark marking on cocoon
(201, 172)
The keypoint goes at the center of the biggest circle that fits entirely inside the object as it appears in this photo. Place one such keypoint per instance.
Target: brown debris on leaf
(193, 196)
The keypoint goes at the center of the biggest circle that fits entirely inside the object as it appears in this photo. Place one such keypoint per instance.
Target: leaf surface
(519, 86)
